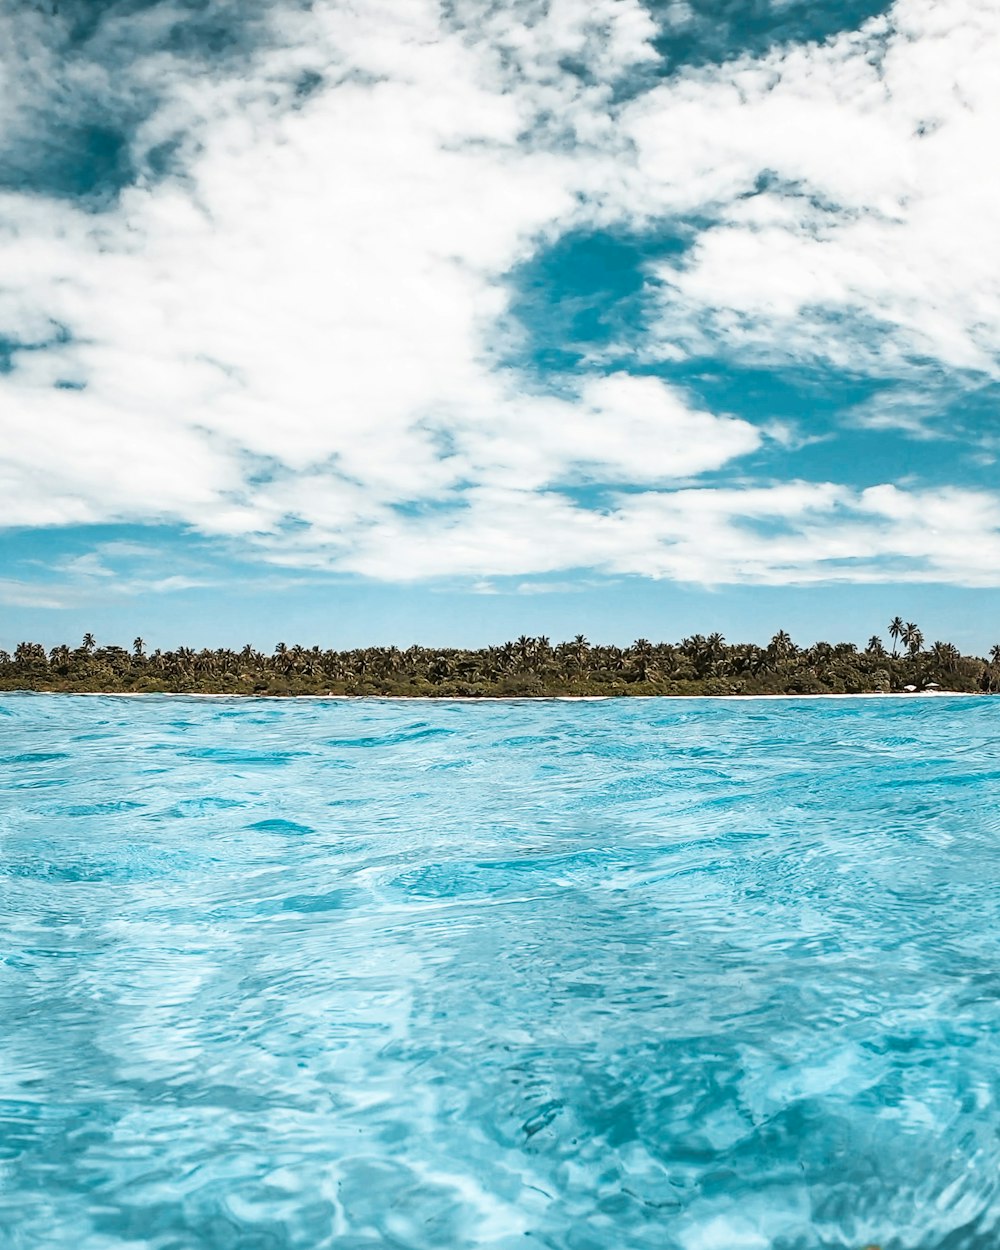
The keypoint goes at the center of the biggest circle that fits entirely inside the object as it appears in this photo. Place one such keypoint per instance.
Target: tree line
(527, 666)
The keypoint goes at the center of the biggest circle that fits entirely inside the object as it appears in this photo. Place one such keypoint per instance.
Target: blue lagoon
(664, 974)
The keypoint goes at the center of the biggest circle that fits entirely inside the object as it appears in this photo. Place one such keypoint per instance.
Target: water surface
(664, 974)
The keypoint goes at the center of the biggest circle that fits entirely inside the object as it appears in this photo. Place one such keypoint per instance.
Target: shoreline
(493, 698)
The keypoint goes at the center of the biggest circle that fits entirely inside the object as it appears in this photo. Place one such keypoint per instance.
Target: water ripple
(683, 975)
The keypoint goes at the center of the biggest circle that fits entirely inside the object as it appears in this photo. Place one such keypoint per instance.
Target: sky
(389, 321)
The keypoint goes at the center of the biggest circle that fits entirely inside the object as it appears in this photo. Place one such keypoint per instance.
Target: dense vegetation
(529, 666)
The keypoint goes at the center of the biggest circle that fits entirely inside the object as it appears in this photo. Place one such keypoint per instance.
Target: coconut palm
(781, 646)
(30, 653)
(580, 651)
(896, 628)
(568, 667)
(641, 652)
(944, 655)
(913, 639)
(715, 647)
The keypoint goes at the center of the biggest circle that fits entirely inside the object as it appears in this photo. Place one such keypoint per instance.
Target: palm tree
(748, 658)
(642, 654)
(781, 646)
(667, 658)
(698, 653)
(441, 668)
(715, 647)
(525, 650)
(913, 639)
(945, 656)
(896, 628)
(571, 665)
(30, 653)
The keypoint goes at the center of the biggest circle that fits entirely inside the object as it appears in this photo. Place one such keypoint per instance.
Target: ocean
(372, 975)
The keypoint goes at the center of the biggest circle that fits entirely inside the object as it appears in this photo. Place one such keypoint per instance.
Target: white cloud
(852, 189)
(298, 345)
(617, 429)
(299, 329)
(791, 533)
(16, 593)
(320, 287)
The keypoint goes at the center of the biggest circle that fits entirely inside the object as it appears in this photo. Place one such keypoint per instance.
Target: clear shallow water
(587, 976)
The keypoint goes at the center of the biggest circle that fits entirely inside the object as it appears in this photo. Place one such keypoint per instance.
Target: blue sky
(444, 322)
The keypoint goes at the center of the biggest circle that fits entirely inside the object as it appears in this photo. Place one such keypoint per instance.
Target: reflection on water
(652, 974)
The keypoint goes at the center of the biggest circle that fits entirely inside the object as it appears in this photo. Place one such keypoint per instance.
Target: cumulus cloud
(293, 334)
(850, 194)
(792, 533)
(301, 326)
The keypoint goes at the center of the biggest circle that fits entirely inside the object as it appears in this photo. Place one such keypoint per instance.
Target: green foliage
(525, 668)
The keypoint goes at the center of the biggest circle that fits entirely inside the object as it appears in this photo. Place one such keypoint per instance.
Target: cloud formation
(850, 197)
(287, 322)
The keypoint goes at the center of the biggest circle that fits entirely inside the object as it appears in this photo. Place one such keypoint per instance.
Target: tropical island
(526, 668)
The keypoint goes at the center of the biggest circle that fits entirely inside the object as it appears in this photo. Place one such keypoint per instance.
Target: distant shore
(699, 666)
(495, 698)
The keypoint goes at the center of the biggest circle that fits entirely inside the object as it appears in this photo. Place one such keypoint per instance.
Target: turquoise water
(698, 974)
